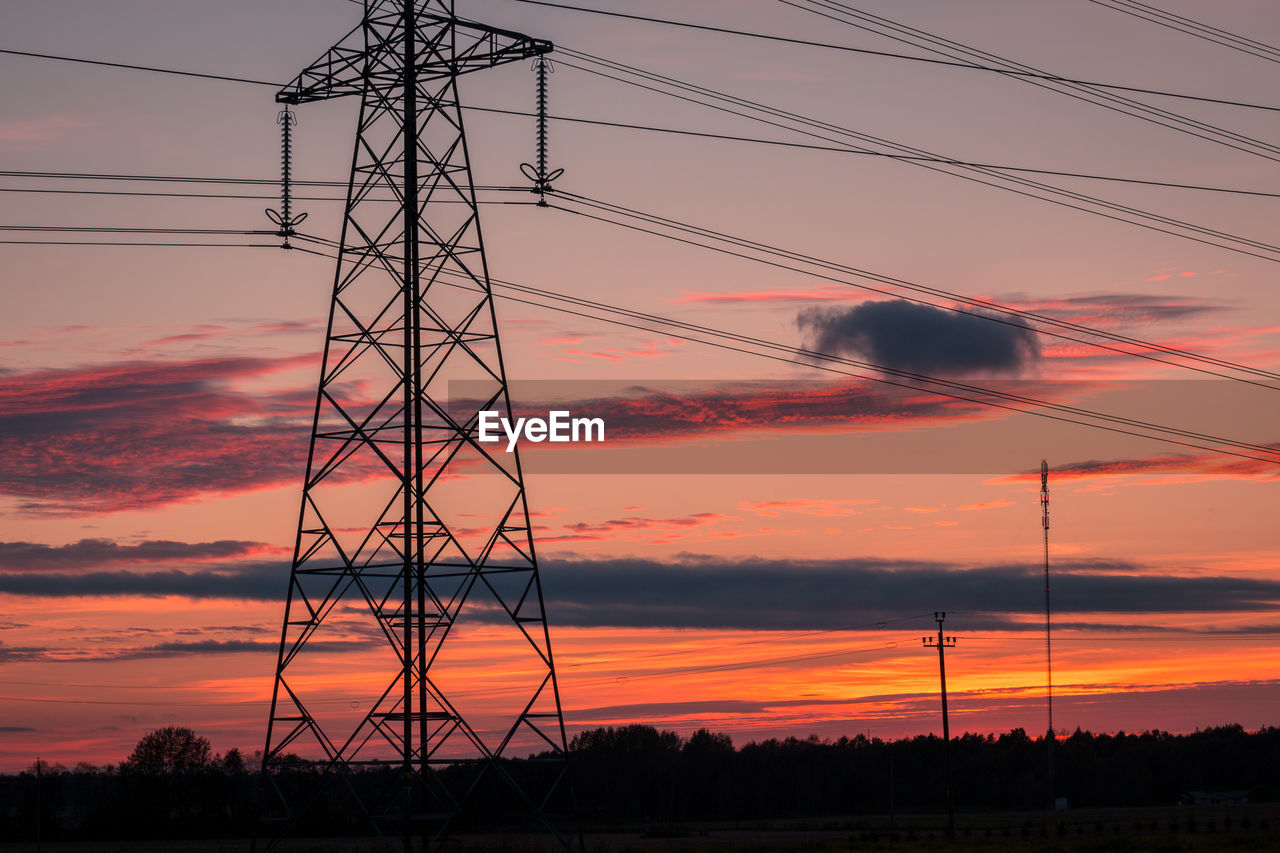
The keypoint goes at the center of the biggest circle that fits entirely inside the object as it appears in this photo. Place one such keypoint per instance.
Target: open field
(1167, 830)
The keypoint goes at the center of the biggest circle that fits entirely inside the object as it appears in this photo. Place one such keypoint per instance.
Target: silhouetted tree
(173, 749)
(232, 762)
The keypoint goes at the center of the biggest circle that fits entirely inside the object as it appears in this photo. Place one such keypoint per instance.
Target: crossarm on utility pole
(347, 67)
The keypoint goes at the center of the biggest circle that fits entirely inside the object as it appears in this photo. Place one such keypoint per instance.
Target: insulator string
(285, 218)
(541, 174)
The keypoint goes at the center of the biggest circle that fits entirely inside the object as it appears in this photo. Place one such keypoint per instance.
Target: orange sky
(766, 566)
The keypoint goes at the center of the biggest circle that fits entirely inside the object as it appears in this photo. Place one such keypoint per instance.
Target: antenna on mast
(1048, 645)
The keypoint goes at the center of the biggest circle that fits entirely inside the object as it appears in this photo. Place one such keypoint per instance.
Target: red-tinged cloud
(223, 334)
(139, 434)
(617, 355)
(560, 340)
(616, 526)
(1120, 310)
(812, 506)
(1170, 463)
(659, 413)
(986, 505)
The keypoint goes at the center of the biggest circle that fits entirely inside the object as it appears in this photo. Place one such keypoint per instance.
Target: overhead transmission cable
(1044, 324)
(1190, 27)
(966, 387)
(829, 132)
(120, 230)
(1008, 72)
(311, 183)
(841, 149)
(843, 13)
(151, 68)
(193, 179)
(1053, 324)
(847, 275)
(1155, 222)
(838, 149)
(125, 243)
(951, 389)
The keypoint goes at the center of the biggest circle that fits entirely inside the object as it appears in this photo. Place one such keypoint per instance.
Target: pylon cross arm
(348, 70)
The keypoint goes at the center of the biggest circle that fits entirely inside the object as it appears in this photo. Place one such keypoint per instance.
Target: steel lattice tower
(412, 536)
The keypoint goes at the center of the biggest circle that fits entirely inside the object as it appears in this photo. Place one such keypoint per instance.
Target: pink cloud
(40, 129)
(997, 504)
(615, 526)
(562, 340)
(813, 506)
(649, 352)
(1121, 310)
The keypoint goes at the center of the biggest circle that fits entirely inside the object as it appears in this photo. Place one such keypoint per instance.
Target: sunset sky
(760, 544)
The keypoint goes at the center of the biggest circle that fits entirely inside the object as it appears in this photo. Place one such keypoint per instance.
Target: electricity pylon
(415, 644)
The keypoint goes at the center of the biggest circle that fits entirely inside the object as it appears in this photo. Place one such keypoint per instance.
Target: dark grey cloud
(226, 647)
(921, 338)
(260, 582)
(799, 594)
(704, 592)
(32, 556)
(18, 654)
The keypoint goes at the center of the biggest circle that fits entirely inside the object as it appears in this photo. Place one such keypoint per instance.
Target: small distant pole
(1048, 644)
(942, 643)
(38, 815)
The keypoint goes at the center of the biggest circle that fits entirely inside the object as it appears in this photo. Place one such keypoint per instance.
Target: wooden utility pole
(943, 643)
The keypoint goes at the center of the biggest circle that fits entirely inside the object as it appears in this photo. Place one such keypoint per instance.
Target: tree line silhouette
(174, 786)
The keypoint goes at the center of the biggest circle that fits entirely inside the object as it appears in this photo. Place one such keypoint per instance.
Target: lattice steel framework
(414, 540)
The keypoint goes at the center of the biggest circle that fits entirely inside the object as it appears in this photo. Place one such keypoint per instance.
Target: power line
(122, 243)
(921, 158)
(787, 354)
(120, 230)
(982, 304)
(791, 352)
(1192, 27)
(839, 149)
(974, 389)
(818, 129)
(944, 160)
(887, 28)
(845, 150)
(230, 196)
(196, 179)
(151, 68)
(986, 305)
(889, 55)
(1264, 448)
